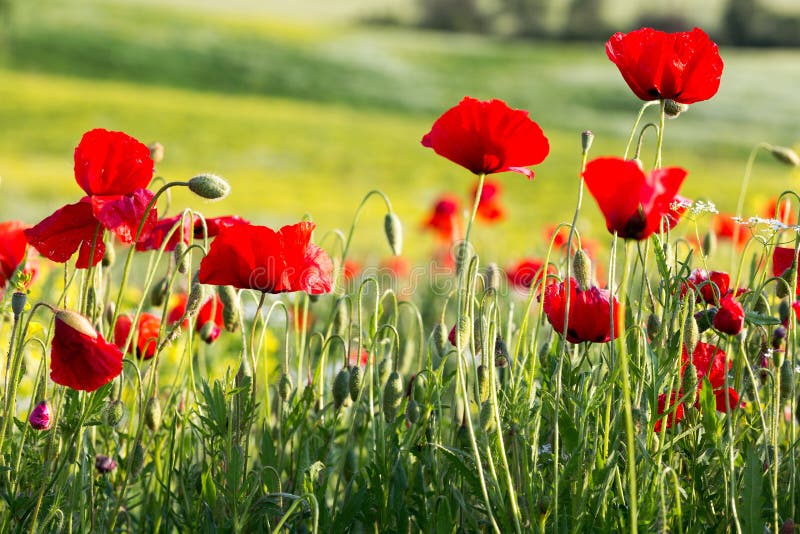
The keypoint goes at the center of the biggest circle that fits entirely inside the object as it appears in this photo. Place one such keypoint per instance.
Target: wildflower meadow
(166, 371)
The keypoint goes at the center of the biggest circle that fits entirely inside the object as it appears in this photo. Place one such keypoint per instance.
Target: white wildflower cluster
(773, 224)
(703, 206)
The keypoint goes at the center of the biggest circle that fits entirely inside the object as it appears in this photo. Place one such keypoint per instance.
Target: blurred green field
(307, 117)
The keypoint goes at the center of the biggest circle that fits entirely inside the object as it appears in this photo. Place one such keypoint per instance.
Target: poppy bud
(762, 305)
(787, 378)
(783, 311)
(757, 342)
(209, 186)
(40, 417)
(77, 322)
(310, 395)
(587, 137)
(209, 332)
(788, 276)
(152, 414)
(195, 298)
(690, 381)
(691, 334)
(385, 369)
(462, 255)
(159, 292)
(653, 326)
(483, 383)
(113, 413)
(137, 459)
(341, 318)
(672, 109)
(341, 387)
(392, 396)
(462, 435)
(394, 232)
(463, 331)
(487, 417)
(710, 243)
(413, 411)
(492, 277)
(109, 256)
(705, 318)
(778, 335)
(285, 387)
(419, 387)
(356, 379)
(350, 467)
(582, 267)
(785, 155)
(156, 152)
(439, 336)
(108, 312)
(104, 464)
(18, 301)
(181, 258)
(230, 307)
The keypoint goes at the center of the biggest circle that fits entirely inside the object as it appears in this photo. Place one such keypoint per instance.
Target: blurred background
(305, 106)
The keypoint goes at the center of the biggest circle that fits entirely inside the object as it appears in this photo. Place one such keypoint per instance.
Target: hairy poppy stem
(748, 170)
(636, 125)
(353, 225)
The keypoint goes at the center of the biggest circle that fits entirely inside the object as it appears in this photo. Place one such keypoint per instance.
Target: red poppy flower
(684, 66)
(355, 359)
(397, 266)
(726, 228)
(215, 224)
(487, 137)
(444, 220)
(80, 358)
(12, 249)
(560, 235)
(672, 419)
(489, 208)
(526, 271)
(782, 259)
(146, 337)
(113, 169)
(711, 286)
(634, 203)
(729, 318)
(785, 214)
(256, 257)
(210, 314)
(155, 238)
(589, 312)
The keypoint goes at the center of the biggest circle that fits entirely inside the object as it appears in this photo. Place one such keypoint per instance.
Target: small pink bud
(40, 417)
(104, 464)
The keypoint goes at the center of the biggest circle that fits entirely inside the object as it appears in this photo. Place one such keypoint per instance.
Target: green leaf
(752, 497)
(761, 320)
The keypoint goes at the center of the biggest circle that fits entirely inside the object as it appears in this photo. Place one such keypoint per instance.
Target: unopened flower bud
(152, 414)
(653, 326)
(159, 292)
(181, 258)
(705, 318)
(691, 334)
(587, 137)
(778, 335)
(463, 331)
(710, 243)
(782, 290)
(109, 255)
(483, 382)
(230, 307)
(487, 417)
(341, 318)
(394, 232)
(195, 298)
(392, 396)
(385, 369)
(439, 337)
(18, 301)
(419, 387)
(356, 379)
(113, 412)
(77, 322)
(690, 381)
(785, 155)
(787, 379)
(341, 387)
(104, 464)
(492, 277)
(413, 411)
(156, 152)
(285, 387)
(137, 459)
(40, 417)
(108, 312)
(672, 109)
(209, 332)
(350, 467)
(209, 186)
(783, 311)
(582, 268)
(761, 306)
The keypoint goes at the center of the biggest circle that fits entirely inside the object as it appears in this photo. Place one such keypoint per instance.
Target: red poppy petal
(155, 238)
(615, 184)
(12, 248)
(243, 256)
(80, 361)
(215, 224)
(58, 236)
(112, 163)
(123, 214)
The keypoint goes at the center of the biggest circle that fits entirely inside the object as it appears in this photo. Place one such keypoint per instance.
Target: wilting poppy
(145, 339)
(726, 229)
(683, 66)
(487, 137)
(634, 203)
(782, 260)
(113, 169)
(155, 238)
(527, 271)
(490, 210)
(80, 358)
(256, 257)
(215, 224)
(729, 318)
(785, 214)
(444, 220)
(209, 320)
(589, 312)
(12, 249)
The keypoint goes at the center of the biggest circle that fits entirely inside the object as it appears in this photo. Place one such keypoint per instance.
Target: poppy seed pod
(582, 267)
(785, 155)
(341, 387)
(159, 292)
(209, 186)
(152, 414)
(394, 232)
(230, 308)
(285, 387)
(673, 109)
(18, 301)
(587, 137)
(356, 379)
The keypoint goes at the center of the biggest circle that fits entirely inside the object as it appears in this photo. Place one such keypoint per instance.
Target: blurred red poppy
(589, 312)
(560, 235)
(209, 320)
(782, 260)
(256, 257)
(785, 214)
(445, 218)
(80, 358)
(490, 210)
(729, 318)
(113, 169)
(487, 137)
(634, 203)
(155, 238)
(12, 249)
(215, 224)
(146, 337)
(350, 270)
(725, 229)
(524, 272)
(683, 66)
